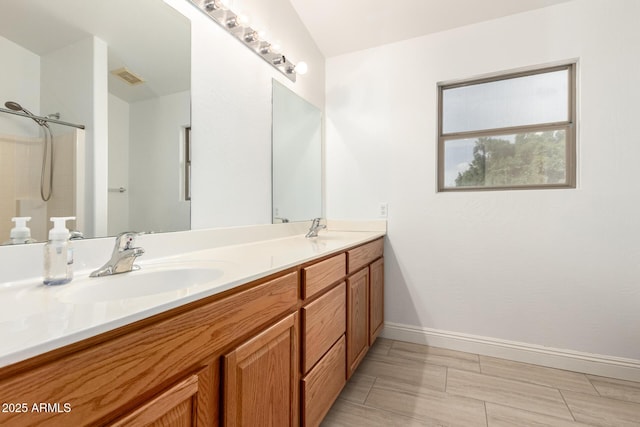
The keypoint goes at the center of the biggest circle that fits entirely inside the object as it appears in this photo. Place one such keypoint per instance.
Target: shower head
(12, 105)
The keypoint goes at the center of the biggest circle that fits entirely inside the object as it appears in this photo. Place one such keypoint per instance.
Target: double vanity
(251, 331)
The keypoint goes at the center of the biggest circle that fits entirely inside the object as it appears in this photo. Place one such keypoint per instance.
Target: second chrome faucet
(122, 257)
(315, 227)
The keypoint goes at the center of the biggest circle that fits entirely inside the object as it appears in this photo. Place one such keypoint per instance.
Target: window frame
(569, 126)
(187, 163)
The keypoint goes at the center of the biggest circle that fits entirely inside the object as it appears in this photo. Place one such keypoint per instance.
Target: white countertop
(35, 318)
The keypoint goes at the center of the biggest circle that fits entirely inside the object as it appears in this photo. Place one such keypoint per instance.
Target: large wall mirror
(297, 157)
(120, 68)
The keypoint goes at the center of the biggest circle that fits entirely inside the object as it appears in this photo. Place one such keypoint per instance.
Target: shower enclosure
(41, 169)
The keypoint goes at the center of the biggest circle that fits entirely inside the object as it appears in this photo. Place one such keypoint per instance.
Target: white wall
(19, 82)
(74, 83)
(156, 159)
(119, 120)
(231, 113)
(552, 268)
(55, 82)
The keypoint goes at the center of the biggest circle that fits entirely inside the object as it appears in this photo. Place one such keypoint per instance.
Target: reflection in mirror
(122, 69)
(297, 157)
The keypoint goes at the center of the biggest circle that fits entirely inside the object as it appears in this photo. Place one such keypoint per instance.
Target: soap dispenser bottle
(58, 254)
(20, 233)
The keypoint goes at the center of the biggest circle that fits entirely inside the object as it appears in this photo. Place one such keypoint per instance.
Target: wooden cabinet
(261, 378)
(365, 300)
(357, 319)
(353, 308)
(376, 299)
(274, 352)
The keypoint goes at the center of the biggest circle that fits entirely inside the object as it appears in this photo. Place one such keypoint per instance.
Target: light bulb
(251, 37)
(301, 68)
(265, 48)
(243, 20)
(211, 5)
(232, 22)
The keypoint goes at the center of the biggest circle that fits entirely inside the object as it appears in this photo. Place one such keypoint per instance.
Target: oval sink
(140, 283)
(13, 309)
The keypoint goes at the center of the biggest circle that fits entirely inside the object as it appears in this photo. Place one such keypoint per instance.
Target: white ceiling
(342, 26)
(152, 39)
(147, 36)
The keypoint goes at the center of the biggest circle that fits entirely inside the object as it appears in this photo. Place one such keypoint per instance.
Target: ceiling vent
(127, 76)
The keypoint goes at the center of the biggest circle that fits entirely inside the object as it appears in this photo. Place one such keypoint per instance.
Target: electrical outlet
(383, 209)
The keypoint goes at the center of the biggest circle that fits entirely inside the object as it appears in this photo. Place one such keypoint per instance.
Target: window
(513, 131)
(187, 163)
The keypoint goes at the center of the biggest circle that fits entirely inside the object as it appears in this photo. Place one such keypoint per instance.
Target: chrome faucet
(315, 227)
(75, 235)
(122, 257)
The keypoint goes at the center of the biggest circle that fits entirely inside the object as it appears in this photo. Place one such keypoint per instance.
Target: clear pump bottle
(58, 254)
(20, 233)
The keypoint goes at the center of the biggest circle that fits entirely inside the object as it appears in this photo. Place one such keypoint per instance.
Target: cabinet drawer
(323, 384)
(320, 276)
(363, 255)
(324, 322)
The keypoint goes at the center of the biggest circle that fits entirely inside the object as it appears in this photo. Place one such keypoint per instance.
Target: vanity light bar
(223, 16)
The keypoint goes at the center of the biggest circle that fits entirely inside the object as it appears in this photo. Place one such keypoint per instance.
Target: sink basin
(140, 283)
(12, 307)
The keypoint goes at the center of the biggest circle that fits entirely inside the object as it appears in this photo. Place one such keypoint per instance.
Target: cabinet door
(376, 299)
(180, 406)
(357, 319)
(261, 378)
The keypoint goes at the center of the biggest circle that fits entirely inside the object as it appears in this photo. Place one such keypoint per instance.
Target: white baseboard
(595, 364)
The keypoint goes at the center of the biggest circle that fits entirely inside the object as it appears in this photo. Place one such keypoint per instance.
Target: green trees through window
(526, 159)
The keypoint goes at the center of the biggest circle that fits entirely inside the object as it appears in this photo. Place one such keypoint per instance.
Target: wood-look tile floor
(404, 384)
